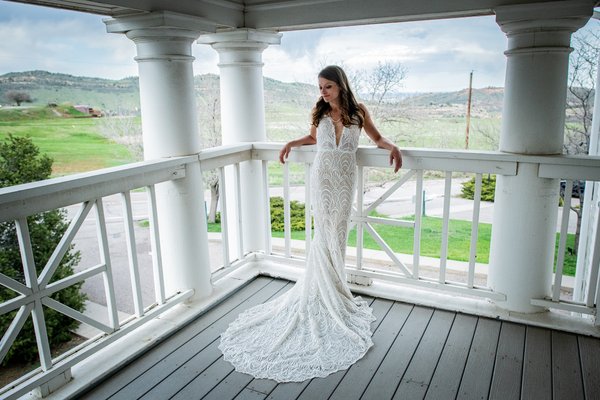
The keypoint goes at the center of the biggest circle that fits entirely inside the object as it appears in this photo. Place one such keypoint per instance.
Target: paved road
(399, 204)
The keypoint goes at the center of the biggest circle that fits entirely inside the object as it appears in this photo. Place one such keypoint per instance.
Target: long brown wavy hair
(351, 112)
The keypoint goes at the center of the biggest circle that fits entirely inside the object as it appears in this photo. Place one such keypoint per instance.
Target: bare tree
(18, 97)
(124, 129)
(209, 102)
(490, 133)
(376, 86)
(383, 79)
(580, 104)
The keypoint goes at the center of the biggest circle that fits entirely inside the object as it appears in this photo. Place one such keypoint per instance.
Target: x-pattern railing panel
(34, 294)
(37, 291)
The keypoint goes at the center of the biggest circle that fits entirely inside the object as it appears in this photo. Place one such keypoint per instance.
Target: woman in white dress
(317, 327)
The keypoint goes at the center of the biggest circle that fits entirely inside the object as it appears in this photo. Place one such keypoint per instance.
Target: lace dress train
(317, 327)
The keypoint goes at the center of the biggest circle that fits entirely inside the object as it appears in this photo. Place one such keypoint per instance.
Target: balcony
(434, 333)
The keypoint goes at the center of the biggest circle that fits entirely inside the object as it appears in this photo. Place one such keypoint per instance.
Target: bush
(20, 162)
(488, 188)
(297, 218)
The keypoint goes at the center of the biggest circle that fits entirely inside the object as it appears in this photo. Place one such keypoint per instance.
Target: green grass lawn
(74, 144)
(459, 240)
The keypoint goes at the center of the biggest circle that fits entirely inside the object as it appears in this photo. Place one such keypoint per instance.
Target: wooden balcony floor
(419, 352)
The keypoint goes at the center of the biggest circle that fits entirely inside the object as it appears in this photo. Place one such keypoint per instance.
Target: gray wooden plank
(257, 389)
(249, 394)
(567, 382)
(174, 381)
(396, 361)
(174, 360)
(446, 378)
(589, 351)
(506, 380)
(124, 376)
(314, 389)
(205, 382)
(288, 390)
(229, 387)
(537, 365)
(260, 389)
(475, 383)
(360, 374)
(418, 375)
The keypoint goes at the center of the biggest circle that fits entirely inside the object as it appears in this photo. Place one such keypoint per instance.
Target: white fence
(416, 163)
(19, 202)
(88, 190)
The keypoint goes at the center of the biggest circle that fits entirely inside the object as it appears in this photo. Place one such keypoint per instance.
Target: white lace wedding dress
(317, 327)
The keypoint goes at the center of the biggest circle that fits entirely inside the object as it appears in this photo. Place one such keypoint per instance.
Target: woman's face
(329, 90)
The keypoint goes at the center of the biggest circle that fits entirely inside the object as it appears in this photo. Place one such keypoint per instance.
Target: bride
(317, 327)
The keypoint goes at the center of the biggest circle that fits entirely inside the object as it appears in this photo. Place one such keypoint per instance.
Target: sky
(437, 55)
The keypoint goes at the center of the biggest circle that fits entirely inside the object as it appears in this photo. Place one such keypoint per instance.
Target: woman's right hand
(285, 151)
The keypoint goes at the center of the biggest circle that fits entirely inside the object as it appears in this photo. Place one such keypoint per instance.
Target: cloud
(61, 41)
(433, 52)
(438, 54)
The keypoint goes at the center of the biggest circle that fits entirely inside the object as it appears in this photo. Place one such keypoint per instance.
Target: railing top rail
(30, 198)
(216, 157)
(496, 162)
(23, 200)
(90, 178)
(225, 150)
(591, 161)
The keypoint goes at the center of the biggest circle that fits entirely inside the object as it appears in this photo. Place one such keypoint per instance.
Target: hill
(489, 98)
(122, 96)
(46, 87)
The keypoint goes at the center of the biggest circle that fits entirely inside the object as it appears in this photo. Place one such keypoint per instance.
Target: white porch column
(524, 224)
(591, 208)
(170, 128)
(243, 120)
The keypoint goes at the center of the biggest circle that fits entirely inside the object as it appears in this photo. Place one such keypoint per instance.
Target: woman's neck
(334, 108)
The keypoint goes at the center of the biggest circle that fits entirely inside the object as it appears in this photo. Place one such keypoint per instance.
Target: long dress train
(317, 327)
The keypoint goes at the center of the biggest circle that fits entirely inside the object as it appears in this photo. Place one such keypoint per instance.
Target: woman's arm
(311, 138)
(380, 141)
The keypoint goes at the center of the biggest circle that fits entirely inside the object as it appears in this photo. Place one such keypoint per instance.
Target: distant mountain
(47, 87)
(123, 95)
(489, 98)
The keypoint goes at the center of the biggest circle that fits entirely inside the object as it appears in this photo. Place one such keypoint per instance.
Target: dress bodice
(326, 137)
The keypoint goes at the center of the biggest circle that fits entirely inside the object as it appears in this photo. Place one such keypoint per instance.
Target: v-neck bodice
(326, 137)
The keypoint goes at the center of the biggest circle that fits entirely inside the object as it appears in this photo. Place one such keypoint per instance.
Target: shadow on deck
(419, 352)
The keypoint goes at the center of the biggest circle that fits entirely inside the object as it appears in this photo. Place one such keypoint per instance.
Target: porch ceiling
(293, 14)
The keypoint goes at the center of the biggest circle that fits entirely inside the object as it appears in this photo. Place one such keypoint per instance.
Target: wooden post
(469, 111)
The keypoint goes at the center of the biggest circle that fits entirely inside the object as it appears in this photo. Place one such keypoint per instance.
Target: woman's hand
(285, 151)
(396, 158)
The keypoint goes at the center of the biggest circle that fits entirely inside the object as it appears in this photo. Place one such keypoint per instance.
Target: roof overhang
(284, 15)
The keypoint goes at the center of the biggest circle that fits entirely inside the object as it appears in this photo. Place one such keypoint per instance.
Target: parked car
(578, 188)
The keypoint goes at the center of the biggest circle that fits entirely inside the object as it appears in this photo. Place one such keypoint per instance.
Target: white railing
(88, 190)
(226, 161)
(17, 203)
(416, 163)
(570, 169)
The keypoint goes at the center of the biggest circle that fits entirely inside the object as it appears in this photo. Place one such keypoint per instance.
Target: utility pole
(469, 111)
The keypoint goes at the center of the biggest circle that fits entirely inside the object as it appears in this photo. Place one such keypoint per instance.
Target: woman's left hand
(396, 158)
